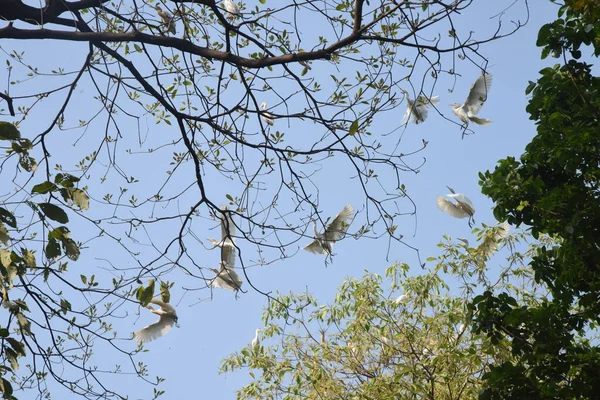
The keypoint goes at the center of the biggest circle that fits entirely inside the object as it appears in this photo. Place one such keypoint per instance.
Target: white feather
(167, 318)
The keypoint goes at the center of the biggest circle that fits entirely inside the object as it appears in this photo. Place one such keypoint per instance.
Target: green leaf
(43, 188)
(52, 248)
(4, 234)
(28, 258)
(71, 249)
(5, 258)
(8, 218)
(353, 128)
(6, 388)
(8, 131)
(83, 279)
(80, 199)
(54, 212)
(144, 295)
(65, 306)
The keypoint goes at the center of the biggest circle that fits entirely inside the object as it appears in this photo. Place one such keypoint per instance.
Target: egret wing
(464, 200)
(228, 228)
(407, 114)
(478, 94)
(450, 208)
(421, 108)
(155, 330)
(316, 248)
(228, 253)
(338, 227)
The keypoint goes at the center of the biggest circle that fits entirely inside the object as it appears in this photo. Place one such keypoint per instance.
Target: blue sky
(211, 329)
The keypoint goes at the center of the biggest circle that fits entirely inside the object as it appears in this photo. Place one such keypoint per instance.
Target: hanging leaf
(80, 199)
(5, 258)
(28, 258)
(4, 234)
(54, 212)
(8, 131)
(8, 218)
(353, 128)
(71, 249)
(43, 188)
(52, 248)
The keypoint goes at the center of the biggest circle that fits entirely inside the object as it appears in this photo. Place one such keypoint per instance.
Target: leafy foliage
(554, 188)
(411, 340)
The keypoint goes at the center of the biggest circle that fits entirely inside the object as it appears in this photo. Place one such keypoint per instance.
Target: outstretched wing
(228, 230)
(338, 227)
(227, 279)
(478, 94)
(466, 204)
(421, 108)
(155, 330)
(450, 208)
(315, 248)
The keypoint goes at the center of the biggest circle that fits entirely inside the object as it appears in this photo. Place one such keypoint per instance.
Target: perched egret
(418, 108)
(256, 341)
(226, 277)
(336, 230)
(461, 209)
(266, 116)
(385, 341)
(401, 299)
(352, 348)
(491, 240)
(477, 97)
(167, 20)
(167, 318)
(232, 8)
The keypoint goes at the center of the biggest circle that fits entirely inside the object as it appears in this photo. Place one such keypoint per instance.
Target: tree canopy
(391, 337)
(127, 125)
(554, 188)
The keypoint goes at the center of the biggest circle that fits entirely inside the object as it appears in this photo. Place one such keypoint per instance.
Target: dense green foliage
(555, 189)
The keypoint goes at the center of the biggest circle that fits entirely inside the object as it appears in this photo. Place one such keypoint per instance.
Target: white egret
(226, 277)
(167, 20)
(232, 8)
(418, 108)
(256, 341)
(336, 230)
(401, 299)
(352, 348)
(266, 116)
(491, 240)
(475, 100)
(461, 209)
(167, 318)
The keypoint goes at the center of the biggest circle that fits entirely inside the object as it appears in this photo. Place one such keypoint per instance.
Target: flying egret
(167, 20)
(418, 108)
(475, 100)
(266, 116)
(401, 299)
(461, 209)
(256, 341)
(167, 318)
(232, 8)
(336, 230)
(491, 240)
(226, 277)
